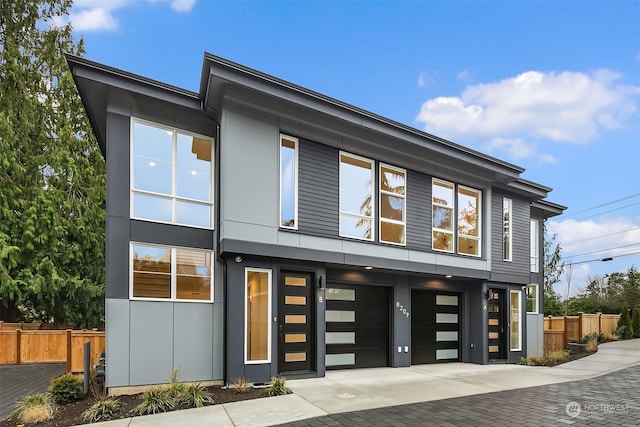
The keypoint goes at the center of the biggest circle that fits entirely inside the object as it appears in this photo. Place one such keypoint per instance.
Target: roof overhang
(547, 209)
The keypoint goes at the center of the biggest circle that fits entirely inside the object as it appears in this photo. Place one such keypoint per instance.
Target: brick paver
(19, 380)
(611, 399)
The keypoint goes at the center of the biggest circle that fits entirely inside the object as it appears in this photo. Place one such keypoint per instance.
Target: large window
(532, 298)
(392, 204)
(469, 221)
(506, 229)
(288, 182)
(356, 197)
(257, 315)
(171, 175)
(535, 247)
(516, 325)
(168, 273)
(442, 210)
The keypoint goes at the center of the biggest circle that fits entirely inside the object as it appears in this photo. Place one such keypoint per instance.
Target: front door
(296, 341)
(497, 320)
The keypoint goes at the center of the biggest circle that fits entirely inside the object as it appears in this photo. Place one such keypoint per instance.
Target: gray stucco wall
(535, 334)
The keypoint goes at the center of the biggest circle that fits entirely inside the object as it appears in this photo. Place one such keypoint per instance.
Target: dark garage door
(435, 327)
(357, 319)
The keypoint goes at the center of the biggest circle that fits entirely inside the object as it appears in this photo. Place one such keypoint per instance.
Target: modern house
(258, 228)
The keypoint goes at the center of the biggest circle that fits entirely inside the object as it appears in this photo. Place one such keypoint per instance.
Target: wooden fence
(45, 346)
(559, 331)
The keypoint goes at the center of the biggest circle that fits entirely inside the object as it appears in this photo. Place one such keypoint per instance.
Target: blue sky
(553, 87)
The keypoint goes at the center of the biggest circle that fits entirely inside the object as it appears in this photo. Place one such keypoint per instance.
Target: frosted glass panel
(340, 359)
(447, 300)
(447, 354)
(446, 318)
(340, 316)
(341, 337)
(447, 336)
(340, 294)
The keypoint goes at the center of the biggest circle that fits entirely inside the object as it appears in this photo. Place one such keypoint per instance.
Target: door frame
(503, 343)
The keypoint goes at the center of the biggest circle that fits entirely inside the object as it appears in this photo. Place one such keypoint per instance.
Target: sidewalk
(361, 389)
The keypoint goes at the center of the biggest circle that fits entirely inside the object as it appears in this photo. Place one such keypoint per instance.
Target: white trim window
(535, 246)
(288, 182)
(442, 215)
(357, 198)
(507, 227)
(469, 220)
(257, 316)
(532, 299)
(515, 328)
(161, 273)
(171, 175)
(393, 204)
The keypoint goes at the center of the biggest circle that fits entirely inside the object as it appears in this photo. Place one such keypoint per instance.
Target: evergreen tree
(52, 187)
(625, 328)
(635, 321)
(553, 269)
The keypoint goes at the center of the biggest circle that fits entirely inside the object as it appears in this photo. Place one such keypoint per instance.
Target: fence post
(1, 325)
(579, 326)
(18, 346)
(87, 365)
(599, 322)
(565, 340)
(69, 350)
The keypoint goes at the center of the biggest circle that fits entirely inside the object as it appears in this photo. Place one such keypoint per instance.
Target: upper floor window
(288, 182)
(506, 229)
(535, 247)
(392, 204)
(356, 197)
(168, 273)
(171, 175)
(468, 218)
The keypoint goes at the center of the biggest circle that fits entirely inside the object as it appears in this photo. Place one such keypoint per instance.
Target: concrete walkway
(344, 392)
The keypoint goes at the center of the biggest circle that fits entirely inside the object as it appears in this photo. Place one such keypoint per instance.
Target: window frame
(454, 218)
(269, 313)
(372, 218)
(382, 192)
(536, 299)
(507, 230)
(295, 142)
(534, 250)
(479, 225)
(173, 274)
(173, 197)
(519, 299)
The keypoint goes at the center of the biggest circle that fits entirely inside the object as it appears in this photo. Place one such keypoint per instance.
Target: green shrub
(34, 408)
(525, 361)
(594, 336)
(155, 401)
(625, 328)
(102, 410)
(66, 389)
(194, 396)
(278, 386)
(635, 321)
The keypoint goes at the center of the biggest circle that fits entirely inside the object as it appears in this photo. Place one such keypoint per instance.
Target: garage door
(435, 327)
(357, 326)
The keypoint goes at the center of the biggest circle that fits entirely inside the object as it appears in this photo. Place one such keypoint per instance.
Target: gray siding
(318, 189)
(418, 211)
(535, 334)
(518, 268)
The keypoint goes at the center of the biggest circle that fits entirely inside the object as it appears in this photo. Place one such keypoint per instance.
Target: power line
(604, 250)
(606, 204)
(604, 259)
(598, 237)
(601, 213)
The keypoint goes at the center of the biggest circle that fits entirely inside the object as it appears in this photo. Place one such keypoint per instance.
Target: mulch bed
(71, 414)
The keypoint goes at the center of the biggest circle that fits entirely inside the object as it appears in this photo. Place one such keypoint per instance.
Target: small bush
(34, 408)
(278, 386)
(194, 396)
(635, 321)
(155, 401)
(551, 358)
(102, 410)
(625, 328)
(594, 336)
(525, 361)
(66, 389)
(241, 385)
(591, 345)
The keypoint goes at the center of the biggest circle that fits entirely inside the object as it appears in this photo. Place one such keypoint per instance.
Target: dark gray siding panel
(167, 234)
(519, 266)
(117, 258)
(418, 211)
(118, 129)
(318, 189)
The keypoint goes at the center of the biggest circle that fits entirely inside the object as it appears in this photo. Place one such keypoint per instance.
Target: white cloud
(99, 15)
(572, 107)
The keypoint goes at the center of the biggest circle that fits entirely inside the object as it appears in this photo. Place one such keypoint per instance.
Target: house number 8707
(402, 308)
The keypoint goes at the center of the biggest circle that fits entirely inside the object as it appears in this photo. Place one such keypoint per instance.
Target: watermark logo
(574, 409)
